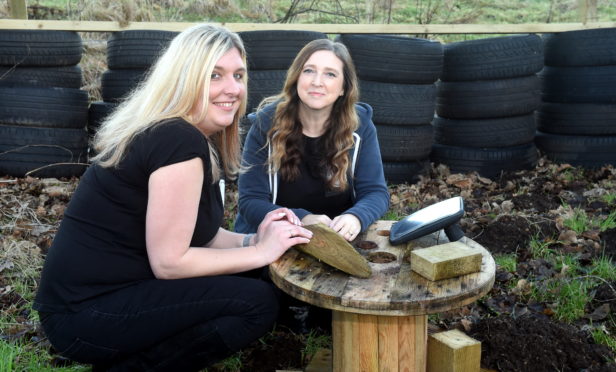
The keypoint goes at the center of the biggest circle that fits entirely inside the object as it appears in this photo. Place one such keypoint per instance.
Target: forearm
(197, 261)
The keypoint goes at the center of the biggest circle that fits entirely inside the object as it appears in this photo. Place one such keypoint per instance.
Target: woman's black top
(100, 245)
(309, 190)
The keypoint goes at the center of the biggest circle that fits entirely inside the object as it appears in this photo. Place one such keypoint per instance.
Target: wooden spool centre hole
(381, 257)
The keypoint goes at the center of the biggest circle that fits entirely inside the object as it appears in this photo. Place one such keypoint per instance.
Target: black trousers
(166, 325)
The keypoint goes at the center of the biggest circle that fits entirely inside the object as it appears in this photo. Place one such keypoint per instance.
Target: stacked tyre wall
(577, 119)
(485, 107)
(397, 78)
(130, 54)
(43, 111)
(484, 92)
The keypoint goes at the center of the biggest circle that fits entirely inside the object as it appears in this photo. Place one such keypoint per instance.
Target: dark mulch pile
(533, 343)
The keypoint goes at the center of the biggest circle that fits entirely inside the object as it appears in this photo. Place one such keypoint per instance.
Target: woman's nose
(234, 87)
(316, 80)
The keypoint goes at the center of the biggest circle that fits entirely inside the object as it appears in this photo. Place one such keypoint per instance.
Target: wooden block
(445, 261)
(453, 351)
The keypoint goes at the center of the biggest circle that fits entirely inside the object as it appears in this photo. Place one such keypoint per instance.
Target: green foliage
(507, 261)
(579, 222)
(602, 336)
(17, 357)
(314, 342)
(230, 364)
(568, 264)
(569, 297)
(609, 198)
(609, 222)
(540, 248)
(604, 268)
(392, 215)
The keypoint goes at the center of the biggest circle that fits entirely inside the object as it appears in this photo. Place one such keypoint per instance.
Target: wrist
(248, 240)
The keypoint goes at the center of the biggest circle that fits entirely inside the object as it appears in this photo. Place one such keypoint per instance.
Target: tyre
(262, 84)
(399, 104)
(395, 59)
(43, 107)
(62, 77)
(275, 49)
(117, 84)
(499, 132)
(42, 152)
(488, 162)
(97, 112)
(404, 143)
(593, 84)
(596, 47)
(577, 118)
(493, 58)
(39, 48)
(136, 49)
(405, 172)
(585, 151)
(488, 98)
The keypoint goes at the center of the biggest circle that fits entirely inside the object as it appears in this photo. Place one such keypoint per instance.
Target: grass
(578, 222)
(540, 248)
(314, 342)
(507, 261)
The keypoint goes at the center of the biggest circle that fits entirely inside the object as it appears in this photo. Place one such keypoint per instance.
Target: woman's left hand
(347, 226)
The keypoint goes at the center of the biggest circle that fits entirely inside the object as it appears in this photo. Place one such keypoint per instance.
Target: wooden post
(588, 11)
(18, 9)
(453, 351)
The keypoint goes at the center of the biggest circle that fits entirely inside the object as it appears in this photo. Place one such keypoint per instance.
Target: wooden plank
(368, 343)
(388, 343)
(18, 9)
(413, 29)
(344, 336)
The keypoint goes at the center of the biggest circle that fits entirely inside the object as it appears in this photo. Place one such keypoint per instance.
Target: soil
(513, 215)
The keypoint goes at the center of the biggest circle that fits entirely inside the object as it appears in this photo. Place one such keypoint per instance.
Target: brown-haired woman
(313, 148)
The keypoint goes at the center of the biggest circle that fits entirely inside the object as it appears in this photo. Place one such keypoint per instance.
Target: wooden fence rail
(412, 29)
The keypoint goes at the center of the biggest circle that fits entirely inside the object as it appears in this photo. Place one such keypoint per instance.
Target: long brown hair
(172, 89)
(285, 135)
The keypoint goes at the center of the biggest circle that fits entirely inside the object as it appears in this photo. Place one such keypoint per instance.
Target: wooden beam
(18, 9)
(108, 26)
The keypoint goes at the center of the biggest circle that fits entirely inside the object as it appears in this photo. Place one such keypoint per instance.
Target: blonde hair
(175, 84)
(285, 135)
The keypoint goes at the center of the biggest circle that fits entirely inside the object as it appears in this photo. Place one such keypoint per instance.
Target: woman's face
(321, 81)
(227, 90)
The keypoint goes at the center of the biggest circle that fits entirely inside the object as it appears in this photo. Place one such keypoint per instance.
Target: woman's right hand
(311, 219)
(276, 234)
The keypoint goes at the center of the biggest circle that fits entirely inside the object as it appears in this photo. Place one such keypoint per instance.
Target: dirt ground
(507, 216)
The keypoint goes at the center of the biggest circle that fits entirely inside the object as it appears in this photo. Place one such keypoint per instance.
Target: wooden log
(445, 261)
(453, 351)
(326, 245)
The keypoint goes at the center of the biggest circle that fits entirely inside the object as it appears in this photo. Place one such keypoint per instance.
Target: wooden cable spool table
(380, 323)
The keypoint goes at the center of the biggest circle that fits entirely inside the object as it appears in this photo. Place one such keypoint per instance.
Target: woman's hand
(279, 231)
(311, 219)
(347, 226)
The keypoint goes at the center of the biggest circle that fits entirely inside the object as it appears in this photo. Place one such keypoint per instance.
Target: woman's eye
(215, 75)
(331, 74)
(308, 71)
(238, 76)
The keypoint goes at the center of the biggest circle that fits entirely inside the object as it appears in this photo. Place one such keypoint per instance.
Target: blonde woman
(314, 149)
(136, 276)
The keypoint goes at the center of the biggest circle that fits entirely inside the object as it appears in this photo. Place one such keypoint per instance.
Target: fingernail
(281, 214)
